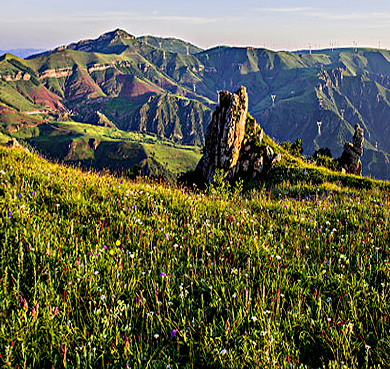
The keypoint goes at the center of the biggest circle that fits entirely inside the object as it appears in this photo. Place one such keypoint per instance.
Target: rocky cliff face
(234, 141)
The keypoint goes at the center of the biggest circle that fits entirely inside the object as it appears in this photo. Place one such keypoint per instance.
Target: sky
(277, 25)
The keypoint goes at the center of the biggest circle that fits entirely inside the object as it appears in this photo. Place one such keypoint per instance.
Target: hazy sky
(278, 24)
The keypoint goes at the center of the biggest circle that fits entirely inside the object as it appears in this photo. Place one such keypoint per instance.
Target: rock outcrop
(234, 141)
(13, 142)
(350, 159)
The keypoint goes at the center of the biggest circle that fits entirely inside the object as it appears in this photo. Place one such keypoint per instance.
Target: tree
(294, 148)
(323, 157)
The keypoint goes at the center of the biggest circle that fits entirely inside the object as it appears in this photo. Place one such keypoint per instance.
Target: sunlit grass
(98, 271)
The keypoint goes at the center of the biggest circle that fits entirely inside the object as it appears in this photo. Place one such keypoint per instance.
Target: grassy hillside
(171, 44)
(98, 271)
(109, 148)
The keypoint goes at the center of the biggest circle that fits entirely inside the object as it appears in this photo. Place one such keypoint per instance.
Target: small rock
(13, 142)
(269, 153)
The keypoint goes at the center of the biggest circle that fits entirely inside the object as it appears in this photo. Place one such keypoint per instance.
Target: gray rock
(233, 141)
(225, 133)
(350, 159)
(269, 153)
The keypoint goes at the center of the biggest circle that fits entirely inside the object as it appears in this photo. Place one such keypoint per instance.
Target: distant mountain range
(21, 53)
(168, 88)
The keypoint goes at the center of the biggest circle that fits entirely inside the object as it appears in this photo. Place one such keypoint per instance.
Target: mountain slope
(140, 83)
(103, 147)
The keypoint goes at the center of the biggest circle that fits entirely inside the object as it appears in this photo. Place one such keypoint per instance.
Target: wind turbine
(319, 124)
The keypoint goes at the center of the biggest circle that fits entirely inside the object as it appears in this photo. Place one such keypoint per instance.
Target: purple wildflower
(173, 333)
(163, 275)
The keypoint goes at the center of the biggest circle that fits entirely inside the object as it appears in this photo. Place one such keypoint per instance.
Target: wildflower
(329, 299)
(156, 336)
(368, 347)
(263, 333)
(234, 295)
(162, 275)
(223, 352)
(102, 297)
(254, 318)
(173, 333)
(118, 243)
(112, 252)
(34, 312)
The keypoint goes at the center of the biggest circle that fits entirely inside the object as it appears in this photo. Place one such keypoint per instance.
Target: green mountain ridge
(141, 84)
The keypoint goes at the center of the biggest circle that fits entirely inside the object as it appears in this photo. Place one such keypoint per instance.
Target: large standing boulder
(225, 133)
(234, 141)
(350, 159)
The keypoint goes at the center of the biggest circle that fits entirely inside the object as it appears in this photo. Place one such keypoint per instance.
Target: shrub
(294, 148)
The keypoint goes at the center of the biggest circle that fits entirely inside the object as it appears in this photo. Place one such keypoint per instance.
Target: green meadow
(101, 271)
(115, 149)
